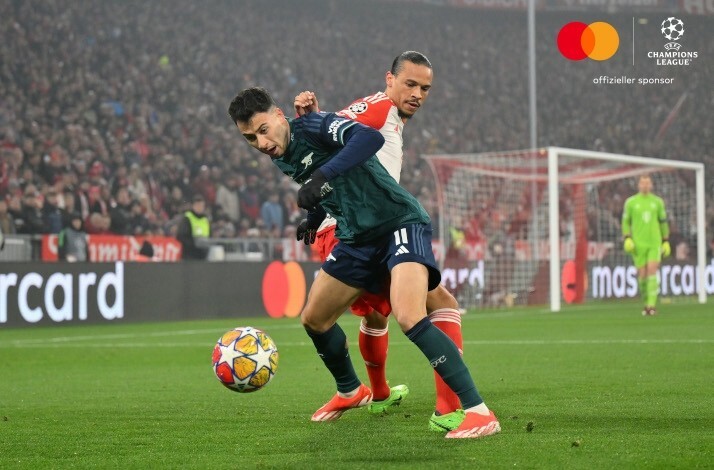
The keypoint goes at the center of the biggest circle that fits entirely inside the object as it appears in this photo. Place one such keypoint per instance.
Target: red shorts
(325, 241)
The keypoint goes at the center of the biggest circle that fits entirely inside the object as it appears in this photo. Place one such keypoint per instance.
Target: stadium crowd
(116, 110)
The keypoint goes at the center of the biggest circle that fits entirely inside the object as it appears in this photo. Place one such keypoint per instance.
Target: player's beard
(404, 115)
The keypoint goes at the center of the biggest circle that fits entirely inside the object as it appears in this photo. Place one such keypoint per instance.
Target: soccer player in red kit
(408, 83)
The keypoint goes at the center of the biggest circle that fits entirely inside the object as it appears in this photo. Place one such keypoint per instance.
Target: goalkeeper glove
(629, 245)
(314, 189)
(666, 248)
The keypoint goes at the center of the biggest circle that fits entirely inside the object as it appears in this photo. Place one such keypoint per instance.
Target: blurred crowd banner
(35, 293)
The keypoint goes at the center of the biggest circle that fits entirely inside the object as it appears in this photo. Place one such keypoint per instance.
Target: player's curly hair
(249, 102)
(408, 56)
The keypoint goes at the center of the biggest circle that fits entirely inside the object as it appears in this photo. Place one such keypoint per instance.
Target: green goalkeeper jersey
(644, 218)
(366, 201)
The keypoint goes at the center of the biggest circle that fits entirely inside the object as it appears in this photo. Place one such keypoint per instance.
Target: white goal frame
(546, 170)
(554, 210)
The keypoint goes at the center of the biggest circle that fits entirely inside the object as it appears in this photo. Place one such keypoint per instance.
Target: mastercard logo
(283, 289)
(597, 41)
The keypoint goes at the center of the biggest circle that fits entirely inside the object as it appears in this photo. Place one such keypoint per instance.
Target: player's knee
(407, 320)
(312, 322)
(375, 320)
(440, 298)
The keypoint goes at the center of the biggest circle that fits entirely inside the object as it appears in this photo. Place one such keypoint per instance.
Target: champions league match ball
(245, 359)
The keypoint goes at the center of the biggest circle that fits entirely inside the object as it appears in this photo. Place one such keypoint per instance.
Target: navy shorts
(368, 266)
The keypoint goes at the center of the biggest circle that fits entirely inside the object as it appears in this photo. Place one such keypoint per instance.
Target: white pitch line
(575, 342)
(156, 334)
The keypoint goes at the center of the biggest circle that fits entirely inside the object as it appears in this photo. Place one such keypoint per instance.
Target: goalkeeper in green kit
(646, 231)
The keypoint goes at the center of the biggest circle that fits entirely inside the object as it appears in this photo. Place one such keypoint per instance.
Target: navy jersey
(366, 201)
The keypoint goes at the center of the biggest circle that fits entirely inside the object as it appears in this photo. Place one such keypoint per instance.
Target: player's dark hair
(409, 56)
(249, 102)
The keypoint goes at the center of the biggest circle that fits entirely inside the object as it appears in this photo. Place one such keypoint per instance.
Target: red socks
(373, 345)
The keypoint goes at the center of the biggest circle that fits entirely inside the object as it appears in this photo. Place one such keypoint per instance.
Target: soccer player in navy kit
(383, 231)
(407, 86)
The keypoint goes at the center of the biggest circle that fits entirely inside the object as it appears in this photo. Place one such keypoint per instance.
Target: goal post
(542, 226)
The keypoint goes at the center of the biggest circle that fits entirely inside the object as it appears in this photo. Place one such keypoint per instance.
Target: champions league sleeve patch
(354, 109)
(358, 108)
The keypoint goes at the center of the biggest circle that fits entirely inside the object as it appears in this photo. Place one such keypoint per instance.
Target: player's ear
(389, 79)
(279, 112)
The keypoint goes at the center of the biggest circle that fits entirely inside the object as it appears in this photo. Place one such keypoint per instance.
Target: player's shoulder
(313, 122)
(371, 110)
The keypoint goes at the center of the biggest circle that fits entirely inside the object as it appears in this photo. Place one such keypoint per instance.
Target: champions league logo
(673, 30)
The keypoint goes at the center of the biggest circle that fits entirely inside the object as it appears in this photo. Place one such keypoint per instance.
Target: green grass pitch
(597, 386)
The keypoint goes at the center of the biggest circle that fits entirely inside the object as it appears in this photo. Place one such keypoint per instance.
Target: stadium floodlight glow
(504, 245)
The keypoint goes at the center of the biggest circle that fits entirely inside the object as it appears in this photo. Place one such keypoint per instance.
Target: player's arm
(357, 144)
(663, 221)
(664, 229)
(628, 243)
(626, 220)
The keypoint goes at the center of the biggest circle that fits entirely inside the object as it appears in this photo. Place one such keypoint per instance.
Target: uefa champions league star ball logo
(673, 28)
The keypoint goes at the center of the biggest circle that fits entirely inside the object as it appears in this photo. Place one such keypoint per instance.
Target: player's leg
(444, 314)
(652, 266)
(414, 272)
(373, 335)
(639, 258)
(409, 279)
(327, 299)
(373, 344)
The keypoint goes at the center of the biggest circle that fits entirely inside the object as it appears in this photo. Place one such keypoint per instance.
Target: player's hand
(306, 233)
(666, 248)
(629, 245)
(306, 102)
(311, 193)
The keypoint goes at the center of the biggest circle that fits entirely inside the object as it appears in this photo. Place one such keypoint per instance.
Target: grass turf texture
(592, 387)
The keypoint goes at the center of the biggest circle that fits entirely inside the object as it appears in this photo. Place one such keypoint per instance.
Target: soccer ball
(673, 28)
(245, 359)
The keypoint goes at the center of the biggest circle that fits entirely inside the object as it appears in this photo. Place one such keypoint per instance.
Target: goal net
(502, 215)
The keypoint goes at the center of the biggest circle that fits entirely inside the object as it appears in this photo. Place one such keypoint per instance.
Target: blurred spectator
(30, 220)
(121, 213)
(204, 185)
(272, 215)
(72, 242)
(227, 197)
(139, 223)
(175, 204)
(292, 214)
(193, 227)
(52, 216)
(250, 198)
